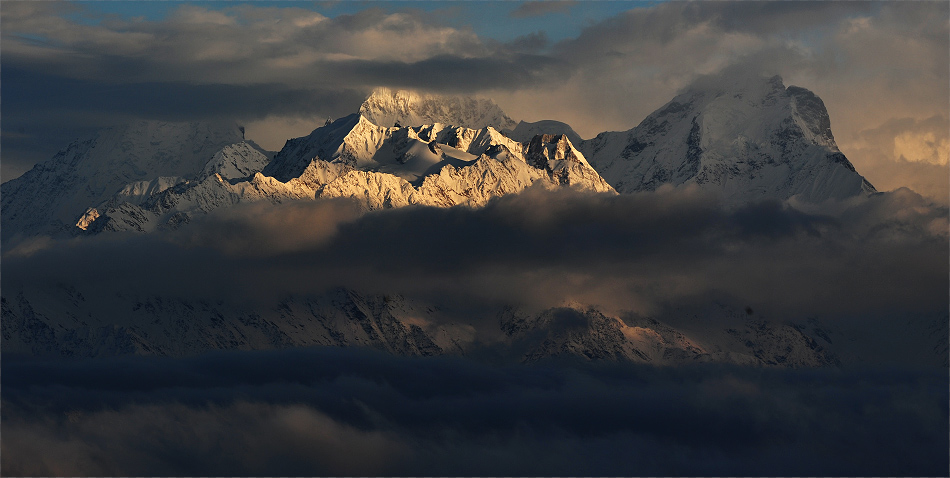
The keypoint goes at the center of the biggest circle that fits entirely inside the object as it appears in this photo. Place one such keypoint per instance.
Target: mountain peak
(49, 198)
(525, 131)
(737, 82)
(746, 137)
(385, 107)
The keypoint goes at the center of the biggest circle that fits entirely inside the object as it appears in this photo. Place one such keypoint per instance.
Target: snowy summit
(385, 107)
(743, 138)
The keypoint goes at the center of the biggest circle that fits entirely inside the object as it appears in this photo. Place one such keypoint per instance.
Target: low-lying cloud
(343, 411)
(639, 252)
(351, 411)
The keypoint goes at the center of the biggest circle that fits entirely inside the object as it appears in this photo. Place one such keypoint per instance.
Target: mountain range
(741, 142)
(744, 142)
(748, 141)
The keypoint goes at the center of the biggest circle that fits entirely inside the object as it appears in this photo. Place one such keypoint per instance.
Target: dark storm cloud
(45, 112)
(625, 251)
(540, 248)
(532, 42)
(240, 45)
(298, 49)
(766, 17)
(539, 228)
(647, 31)
(63, 79)
(458, 74)
(45, 95)
(247, 230)
(352, 411)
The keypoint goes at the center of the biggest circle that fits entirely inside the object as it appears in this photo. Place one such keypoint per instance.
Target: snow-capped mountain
(385, 107)
(428, 156)
(52, 196)
(745, 139)
(237, 161)
(525, 131)
(433, 164)
(144, 206)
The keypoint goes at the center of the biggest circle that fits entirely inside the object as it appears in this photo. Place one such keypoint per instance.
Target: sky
(282, 68)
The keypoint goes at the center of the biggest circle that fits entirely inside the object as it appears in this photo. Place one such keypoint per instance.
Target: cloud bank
(876, 261)
(873, 265)
(350, 411)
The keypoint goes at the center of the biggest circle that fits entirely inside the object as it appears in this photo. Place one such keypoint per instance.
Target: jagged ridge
(432, 165)
(50, 197)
